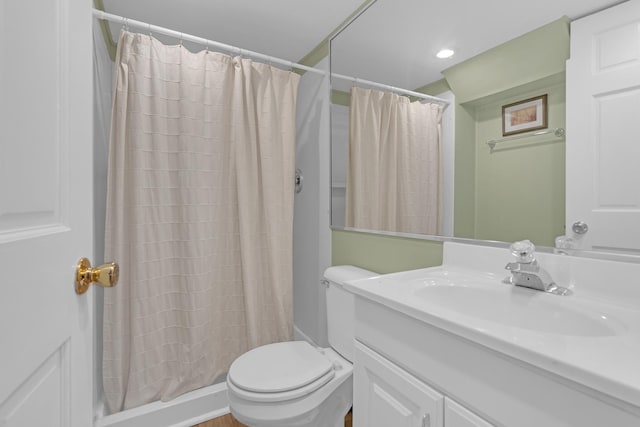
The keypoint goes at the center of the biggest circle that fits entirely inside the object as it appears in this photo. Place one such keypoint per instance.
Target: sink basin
(520, 308)
(485, 304)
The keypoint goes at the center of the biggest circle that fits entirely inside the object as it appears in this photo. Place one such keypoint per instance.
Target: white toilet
(297, 384)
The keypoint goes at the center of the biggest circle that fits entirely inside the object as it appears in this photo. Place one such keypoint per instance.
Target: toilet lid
(279, 367)
(282, 395)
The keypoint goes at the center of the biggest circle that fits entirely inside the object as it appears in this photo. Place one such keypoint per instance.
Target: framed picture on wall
(524, 116)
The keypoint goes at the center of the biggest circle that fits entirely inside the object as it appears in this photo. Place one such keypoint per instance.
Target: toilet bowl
(295, 383)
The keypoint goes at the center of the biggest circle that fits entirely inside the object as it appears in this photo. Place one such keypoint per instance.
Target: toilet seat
(280, 371)
(280, 396)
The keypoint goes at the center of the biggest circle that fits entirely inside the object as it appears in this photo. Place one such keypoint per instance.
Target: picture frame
(525, 116)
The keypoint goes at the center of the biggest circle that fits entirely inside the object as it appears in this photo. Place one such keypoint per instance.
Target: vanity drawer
(457, 415)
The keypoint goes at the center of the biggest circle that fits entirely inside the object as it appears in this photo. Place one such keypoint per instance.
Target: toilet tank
(341, 307)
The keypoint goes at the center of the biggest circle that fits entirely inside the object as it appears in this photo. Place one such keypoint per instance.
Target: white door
(45, 212)
(385, 395)
(603, 129)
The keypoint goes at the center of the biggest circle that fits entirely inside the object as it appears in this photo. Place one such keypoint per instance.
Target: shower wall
(311, 219)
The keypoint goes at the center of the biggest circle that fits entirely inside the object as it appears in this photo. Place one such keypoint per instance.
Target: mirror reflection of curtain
(199, 215)
(394, 176)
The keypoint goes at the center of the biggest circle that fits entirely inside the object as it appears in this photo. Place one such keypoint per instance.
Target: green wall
(383, 254)
(464, 199)
(530, 57)
(520, 184)
(491, 189)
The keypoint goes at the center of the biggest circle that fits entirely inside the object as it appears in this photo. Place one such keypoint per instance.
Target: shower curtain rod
(357, 80)
(126, 22)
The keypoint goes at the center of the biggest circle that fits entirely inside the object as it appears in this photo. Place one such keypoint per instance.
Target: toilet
(296, 383)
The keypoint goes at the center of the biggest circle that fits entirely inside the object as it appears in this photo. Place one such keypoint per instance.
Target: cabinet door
(458, 416)
(386, 395)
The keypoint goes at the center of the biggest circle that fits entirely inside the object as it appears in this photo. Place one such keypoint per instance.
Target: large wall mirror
(496, 185)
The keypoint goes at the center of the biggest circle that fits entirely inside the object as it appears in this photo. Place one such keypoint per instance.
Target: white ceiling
(393, 42)
(287, 29)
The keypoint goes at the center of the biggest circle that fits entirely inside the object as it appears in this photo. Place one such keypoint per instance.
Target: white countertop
(583, 337)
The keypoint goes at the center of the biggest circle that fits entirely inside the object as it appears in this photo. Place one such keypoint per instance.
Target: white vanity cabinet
(398, 355)
(455, 343)
(387, 395)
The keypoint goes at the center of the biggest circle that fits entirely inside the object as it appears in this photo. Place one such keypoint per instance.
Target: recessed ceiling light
(445, 53)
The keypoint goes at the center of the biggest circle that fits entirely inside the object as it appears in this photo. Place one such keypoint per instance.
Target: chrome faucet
(526, 271)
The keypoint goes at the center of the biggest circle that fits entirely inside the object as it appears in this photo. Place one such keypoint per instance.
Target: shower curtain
(394, 172)
(199, 216)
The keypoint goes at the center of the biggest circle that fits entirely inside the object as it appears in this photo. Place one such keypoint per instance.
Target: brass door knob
(106, 275)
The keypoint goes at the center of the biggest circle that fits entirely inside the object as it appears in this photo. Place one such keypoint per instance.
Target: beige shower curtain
(199, 216)
(394, 175)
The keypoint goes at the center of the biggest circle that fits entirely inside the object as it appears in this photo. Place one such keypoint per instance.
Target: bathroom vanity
(454, 346)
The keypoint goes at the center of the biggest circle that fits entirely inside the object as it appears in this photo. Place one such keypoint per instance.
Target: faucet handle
(523, 251)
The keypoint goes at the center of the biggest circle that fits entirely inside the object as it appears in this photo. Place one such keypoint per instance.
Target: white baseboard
(184, 411)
